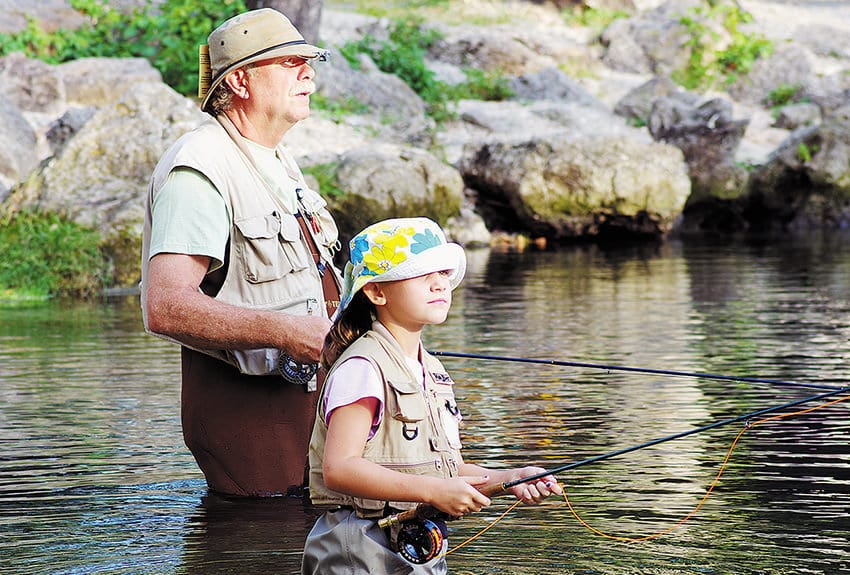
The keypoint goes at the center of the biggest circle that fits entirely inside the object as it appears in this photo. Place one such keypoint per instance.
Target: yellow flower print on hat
(385, 254)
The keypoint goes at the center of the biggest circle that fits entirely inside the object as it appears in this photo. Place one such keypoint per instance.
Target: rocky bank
(596, 142)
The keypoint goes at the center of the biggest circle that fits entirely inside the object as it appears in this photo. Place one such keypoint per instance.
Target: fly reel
(296, 372)
(421, 540)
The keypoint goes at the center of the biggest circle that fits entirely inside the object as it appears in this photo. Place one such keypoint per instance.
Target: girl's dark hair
(354, 321)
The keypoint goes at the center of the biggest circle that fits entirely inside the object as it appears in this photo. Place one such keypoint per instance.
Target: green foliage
(594, 18)
(325, 174)
(806, 152)
(167, 35)
(706, 66)
(482, 85)
(403, 54)
(782, 95)
(44, 255)
(336, 109)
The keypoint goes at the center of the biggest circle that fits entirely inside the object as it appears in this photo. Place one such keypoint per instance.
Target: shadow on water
(234, 536)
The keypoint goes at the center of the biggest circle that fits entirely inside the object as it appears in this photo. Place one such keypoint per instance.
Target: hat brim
(302, 49)
(444, 257)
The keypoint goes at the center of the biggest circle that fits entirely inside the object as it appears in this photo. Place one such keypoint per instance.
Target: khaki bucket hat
(245, 38)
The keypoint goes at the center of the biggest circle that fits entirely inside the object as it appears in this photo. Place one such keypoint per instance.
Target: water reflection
(94, 476)
(235, 536)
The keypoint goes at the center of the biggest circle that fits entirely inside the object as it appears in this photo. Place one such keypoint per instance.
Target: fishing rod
(425, 511)
(714, 376)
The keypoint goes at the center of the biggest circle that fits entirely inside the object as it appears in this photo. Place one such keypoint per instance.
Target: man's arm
(177, 308)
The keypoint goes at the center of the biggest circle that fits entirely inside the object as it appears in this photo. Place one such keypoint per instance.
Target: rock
(102, 81)
(100, 177)
(377, 101)
(32, 85)
(389, 181)
(789, 65)
(551, 84)
(468, 229)
(51, 14)
(654, 41)
(64, 128)
(806, 183)
(798, 115)
(637, 104)
(564, 188)
(709, 136)
(18, 146)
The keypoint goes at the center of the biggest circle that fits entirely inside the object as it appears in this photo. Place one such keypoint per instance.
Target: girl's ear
(375, 292)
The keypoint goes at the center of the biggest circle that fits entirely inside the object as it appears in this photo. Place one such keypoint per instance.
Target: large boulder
(18, 146)
(709, 136)
(655, 41)
(565, 188)
(806, 183)
(100, 177)
(102, 81)
(33, 85)
(389, 181)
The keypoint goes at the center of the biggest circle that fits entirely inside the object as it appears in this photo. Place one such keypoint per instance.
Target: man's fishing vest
(268, 264)
(412, 437)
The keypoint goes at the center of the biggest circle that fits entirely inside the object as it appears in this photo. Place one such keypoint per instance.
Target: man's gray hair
(221, 99)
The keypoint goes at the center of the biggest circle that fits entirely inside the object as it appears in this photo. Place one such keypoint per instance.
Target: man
(237, 261)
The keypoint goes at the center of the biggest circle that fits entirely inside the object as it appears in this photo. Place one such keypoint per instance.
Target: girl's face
(412, 303)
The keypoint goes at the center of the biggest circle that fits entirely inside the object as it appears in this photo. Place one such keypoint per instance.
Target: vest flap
(290, 231)
(266, 226)
(405, 402)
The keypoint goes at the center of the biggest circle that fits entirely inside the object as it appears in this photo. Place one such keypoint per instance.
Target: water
(94, 476)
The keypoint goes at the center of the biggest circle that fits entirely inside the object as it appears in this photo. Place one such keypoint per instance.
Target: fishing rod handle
(427, 511)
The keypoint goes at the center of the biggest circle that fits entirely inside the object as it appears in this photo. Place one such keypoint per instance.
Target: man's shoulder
(198, 142)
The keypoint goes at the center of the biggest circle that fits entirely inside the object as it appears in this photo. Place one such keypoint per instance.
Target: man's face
(280, 88)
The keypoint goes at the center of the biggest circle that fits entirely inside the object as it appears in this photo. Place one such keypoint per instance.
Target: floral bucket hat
(398, 249)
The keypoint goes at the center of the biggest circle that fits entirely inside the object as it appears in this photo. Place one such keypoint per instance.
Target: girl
(387, 433)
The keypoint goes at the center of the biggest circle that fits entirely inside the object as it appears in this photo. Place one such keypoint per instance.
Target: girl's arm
(346, 471)
(532, 492)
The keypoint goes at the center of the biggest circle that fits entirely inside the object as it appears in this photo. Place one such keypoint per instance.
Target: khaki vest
(268, 263)
(411, 437)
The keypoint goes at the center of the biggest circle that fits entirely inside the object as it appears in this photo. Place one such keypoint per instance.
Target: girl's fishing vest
(269, 265)
(419, 430)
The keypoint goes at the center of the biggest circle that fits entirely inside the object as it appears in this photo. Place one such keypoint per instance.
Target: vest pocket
(405, 402)
(269, 251)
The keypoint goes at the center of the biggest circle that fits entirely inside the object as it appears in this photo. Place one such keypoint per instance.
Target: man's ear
(237, 82)
(375, 292)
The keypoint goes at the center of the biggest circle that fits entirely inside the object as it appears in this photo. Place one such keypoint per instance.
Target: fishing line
(424, 511)
(711, 487)
(561, 363)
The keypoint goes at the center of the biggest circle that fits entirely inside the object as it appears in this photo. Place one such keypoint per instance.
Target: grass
(44, 255)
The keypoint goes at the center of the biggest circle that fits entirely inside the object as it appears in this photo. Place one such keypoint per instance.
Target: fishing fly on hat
(249, 37)
(398, 249)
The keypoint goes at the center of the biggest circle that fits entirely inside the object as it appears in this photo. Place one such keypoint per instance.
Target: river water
(94, 477)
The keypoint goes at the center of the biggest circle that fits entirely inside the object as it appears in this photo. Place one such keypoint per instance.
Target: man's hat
(249, 37)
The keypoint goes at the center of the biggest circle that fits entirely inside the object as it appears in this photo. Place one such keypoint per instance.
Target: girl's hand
(533, 492)
(458, 496)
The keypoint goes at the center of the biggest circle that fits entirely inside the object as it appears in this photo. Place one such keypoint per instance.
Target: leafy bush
(705, 66)
(44, 255)
(403, 54)
(167, 35)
